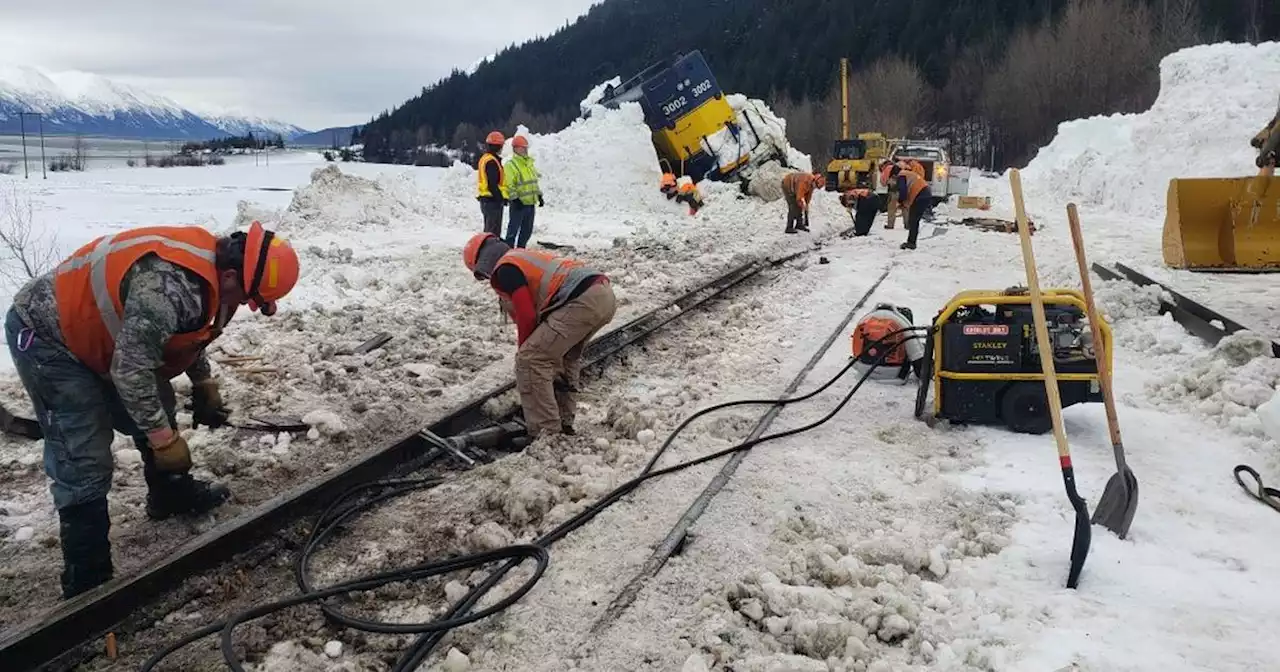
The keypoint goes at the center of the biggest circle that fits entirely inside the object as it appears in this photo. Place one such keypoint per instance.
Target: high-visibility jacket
(799, 184)
(552, 279)
(483, 188)
(521, 180)
(91, 309)
(916, 167)
(914, 185)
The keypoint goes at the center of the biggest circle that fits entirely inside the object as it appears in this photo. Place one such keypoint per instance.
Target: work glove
(206, 405)
(541, 203)
(173, 457)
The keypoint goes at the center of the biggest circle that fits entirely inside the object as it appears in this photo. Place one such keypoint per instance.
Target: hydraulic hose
(432, 632)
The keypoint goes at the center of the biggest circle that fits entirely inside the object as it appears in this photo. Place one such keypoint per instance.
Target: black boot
(181, 494)
(86, 549)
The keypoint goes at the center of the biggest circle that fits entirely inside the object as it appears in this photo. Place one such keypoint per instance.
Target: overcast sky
(314, 63)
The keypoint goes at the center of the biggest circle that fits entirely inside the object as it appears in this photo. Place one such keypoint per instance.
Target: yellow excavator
(1228, 224)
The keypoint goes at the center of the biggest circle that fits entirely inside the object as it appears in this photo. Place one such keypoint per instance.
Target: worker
(521, 183)
(798, 188)
(667, 185)
(558, 305)
(883, 330)
(915, 196)
(96, 341)
(490, 185)
(889, 171)
(689, 195)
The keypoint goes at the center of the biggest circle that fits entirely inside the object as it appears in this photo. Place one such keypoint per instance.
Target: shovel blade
(1119, 502)
(1079, 543)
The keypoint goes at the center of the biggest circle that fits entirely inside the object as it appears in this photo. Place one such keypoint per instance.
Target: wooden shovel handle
(1099, 348)
(1042, 329)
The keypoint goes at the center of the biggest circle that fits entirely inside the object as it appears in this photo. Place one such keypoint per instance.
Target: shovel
(1120, 498)
(1080, 541)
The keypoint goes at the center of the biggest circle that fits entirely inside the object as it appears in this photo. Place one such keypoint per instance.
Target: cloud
(316, 63)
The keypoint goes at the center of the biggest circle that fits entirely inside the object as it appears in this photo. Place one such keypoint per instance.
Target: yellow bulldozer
(1228, 224)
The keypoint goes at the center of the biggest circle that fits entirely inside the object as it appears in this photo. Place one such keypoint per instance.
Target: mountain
(327, 137)
(89, 104)
(788, 51)
(242, 124)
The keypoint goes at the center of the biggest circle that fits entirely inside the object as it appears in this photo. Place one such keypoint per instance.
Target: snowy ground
(872, 544)
(380, 253)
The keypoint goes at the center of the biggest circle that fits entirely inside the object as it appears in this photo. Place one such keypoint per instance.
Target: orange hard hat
(520, 141)
(471, 251)
(668, 180)
(820, 180)
(686, 187)
(495, 138)
(270, 268)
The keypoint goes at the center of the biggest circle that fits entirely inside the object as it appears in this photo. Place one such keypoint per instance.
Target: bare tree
(889, 96)
(1180, 24)
(24, 253)
(1101, 56)
(78, 153)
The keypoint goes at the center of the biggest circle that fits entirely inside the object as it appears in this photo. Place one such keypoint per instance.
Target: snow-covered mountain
(81, 102)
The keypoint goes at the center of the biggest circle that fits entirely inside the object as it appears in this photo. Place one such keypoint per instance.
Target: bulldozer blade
(1118, 503)
(1223, 224)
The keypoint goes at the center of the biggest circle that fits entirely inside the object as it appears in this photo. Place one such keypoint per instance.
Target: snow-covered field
(871, 544)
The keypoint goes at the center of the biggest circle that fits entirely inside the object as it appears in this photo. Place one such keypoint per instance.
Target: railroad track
(72, 632)
(1198, 319)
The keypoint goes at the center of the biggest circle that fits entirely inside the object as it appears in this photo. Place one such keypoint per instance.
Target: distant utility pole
(22, 123)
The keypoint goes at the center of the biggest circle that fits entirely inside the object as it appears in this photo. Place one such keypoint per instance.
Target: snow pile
(1213, 99)
(846, 603)
(1227, 384)
(601, 164)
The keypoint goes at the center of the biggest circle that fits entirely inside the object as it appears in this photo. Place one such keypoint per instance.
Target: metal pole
(844, 98)
(22, 125)
(44, 164)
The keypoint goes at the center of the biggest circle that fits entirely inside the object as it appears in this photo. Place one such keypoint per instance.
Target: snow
(333, 649)
(872, 543)
(1212, 100)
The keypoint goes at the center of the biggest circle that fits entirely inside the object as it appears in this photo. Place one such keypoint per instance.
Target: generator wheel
(1025, 408)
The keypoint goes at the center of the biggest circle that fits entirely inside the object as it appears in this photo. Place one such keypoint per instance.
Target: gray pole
(44, 165)
(22, 125)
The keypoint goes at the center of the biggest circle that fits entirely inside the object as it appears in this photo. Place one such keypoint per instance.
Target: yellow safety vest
(521, 180)
(483, 189)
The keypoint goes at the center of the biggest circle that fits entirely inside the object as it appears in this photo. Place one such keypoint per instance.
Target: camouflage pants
(77, 411)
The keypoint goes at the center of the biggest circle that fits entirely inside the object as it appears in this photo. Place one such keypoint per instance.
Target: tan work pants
(554, 351)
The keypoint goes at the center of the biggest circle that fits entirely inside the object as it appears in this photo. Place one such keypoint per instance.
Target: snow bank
(1213, 99)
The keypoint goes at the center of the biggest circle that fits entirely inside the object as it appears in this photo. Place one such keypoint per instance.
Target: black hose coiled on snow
(433, 632)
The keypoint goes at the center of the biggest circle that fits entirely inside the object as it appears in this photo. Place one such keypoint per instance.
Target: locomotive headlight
(940, 171)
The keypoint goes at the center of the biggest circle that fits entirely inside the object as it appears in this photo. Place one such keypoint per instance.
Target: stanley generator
(985, 363)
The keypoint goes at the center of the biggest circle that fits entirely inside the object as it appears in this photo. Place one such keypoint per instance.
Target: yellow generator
(985, 361)
(1227, 224)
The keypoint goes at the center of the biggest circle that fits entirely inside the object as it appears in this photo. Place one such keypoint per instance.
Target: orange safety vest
(483, 188)
(550, 278)
(800, 184)
(90, 308)
(915, 185)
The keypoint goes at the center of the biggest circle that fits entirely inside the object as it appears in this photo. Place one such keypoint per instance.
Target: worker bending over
(96, 342)
(915, 196)
(523, 190)
(558, 305)
(798, 189)
(491, 188)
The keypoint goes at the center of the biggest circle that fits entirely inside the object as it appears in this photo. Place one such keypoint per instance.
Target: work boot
(86, 549)
(789, 230)
(907, 246)
(181, 495)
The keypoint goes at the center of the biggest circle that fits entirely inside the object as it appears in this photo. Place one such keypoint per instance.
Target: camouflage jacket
(160, 300)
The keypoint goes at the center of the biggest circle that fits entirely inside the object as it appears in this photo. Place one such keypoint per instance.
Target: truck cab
(945, 179)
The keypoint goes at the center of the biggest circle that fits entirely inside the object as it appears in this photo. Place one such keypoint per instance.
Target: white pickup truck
(945, 180)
